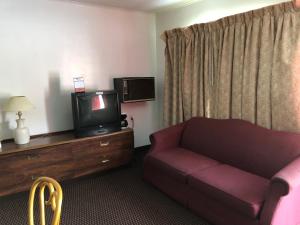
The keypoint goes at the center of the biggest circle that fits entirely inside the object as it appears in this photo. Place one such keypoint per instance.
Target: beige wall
(45, 43)
(200, 12)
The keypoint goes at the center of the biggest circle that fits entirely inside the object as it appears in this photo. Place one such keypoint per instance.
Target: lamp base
(21, 133)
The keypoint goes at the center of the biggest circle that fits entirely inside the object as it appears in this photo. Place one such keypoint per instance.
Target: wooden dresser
(61, 156)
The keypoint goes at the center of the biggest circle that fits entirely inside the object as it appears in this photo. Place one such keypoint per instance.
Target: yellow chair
(55, 200)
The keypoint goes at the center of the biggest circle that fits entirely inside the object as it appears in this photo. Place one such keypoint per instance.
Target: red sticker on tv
(97, 103)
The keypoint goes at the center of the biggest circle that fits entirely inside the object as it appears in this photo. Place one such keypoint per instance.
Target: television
(95, 113)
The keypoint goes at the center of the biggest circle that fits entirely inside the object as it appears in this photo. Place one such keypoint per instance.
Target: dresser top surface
(48, 140)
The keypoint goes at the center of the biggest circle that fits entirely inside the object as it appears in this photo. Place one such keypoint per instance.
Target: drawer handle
(103, 144)
(32, 157)
(105, 161)
(34, 177)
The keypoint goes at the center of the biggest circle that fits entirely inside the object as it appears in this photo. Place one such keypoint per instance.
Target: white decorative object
(21, 133)
(19, 104)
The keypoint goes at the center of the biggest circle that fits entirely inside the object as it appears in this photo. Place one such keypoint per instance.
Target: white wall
(200, 12)
(45, 43)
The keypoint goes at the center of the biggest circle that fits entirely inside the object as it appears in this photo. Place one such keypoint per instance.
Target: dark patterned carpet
(118, 197)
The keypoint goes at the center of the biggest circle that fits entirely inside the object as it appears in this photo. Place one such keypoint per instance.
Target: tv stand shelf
(61, 156)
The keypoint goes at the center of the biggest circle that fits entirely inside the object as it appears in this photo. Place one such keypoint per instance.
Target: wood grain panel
(103, 153)
(102, 162)
(12, 183)
(103, 144)
(61, 156)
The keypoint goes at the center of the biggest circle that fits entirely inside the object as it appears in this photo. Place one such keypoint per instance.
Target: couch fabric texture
(228, 171)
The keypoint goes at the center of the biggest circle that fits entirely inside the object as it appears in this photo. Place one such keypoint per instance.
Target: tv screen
(100, 109)
(97, 109)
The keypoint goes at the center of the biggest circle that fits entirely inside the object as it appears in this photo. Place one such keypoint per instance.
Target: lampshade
(18, 103)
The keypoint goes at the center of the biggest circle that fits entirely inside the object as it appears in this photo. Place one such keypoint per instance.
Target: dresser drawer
(58, 158)
(103, 144)
(58, 171)
(13, 162)
(12, 177)
(116, 142)
(37, 158)
(12, 183)
(102, 162)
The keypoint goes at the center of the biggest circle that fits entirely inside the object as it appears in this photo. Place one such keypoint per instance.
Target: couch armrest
(283, 196)
(288, 178)
(167, 138)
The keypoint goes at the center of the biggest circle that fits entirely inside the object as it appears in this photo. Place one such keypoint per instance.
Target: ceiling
(144, 5)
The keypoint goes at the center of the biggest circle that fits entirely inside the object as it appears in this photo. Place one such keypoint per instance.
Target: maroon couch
(230, 172)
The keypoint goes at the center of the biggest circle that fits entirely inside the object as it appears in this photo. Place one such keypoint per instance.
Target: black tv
(96, 113)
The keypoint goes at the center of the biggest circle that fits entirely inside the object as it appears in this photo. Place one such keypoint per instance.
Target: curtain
(244, 66)
(174, 69)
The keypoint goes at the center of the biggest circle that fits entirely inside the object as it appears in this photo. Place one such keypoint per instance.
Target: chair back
(54, 201)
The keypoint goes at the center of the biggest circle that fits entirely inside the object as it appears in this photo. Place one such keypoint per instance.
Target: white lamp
(19, 104)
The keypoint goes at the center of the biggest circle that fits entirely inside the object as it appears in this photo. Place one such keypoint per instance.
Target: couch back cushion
(241, 144)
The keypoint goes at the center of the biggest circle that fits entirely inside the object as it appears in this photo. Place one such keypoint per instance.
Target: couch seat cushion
(240, 190)
(179, 162)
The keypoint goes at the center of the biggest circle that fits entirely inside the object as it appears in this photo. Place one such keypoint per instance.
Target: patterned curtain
(244, 66)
